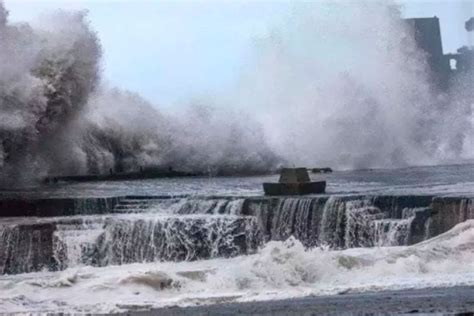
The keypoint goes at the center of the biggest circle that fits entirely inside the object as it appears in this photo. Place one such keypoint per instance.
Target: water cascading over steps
(155, 238)
(149, 229)
(25, 248)
(338, 222)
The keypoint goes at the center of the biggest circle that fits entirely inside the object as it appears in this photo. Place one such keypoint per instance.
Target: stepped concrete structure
(128, 229)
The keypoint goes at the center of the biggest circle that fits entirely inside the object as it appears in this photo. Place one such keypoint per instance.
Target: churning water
(208, 245)
(278, 270)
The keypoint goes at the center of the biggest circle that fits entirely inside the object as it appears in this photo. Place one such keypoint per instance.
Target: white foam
(279, 270)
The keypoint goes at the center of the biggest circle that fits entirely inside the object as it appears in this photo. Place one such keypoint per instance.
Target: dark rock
(321, 170)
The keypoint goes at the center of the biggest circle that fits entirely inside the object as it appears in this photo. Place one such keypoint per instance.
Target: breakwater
(55, 234)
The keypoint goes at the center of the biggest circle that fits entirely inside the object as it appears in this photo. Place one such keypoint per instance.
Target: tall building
(465, 57)
(427, 35)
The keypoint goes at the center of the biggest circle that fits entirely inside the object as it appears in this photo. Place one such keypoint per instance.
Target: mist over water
(343, 84)
(338, 84)
(132, 133)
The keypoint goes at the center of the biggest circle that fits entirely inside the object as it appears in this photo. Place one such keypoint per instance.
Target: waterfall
(149, 229)
(185, 205)
(280, 218)
(25, 248)
(338, 222)
(290, 218)
(74, 243)
(151, 238)
(332, 225)
(394, 232)
(360, 225)
(177, 239)
(209, 206)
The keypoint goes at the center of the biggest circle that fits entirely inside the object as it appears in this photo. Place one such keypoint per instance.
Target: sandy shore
(452, 300)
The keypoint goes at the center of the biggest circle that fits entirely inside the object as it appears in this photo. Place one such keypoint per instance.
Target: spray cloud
(343, 84)
(58, 120)
(340, 84)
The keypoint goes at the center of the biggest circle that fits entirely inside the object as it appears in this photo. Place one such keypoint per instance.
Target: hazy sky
(173, 51)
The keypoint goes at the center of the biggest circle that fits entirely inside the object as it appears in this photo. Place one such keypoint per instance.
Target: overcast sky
(173, 51)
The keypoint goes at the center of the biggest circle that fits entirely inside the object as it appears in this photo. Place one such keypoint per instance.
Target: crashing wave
(57, 120)
(47, 75)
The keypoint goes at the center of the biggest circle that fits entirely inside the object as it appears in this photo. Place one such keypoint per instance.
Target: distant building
(427, 35)
(465, 57)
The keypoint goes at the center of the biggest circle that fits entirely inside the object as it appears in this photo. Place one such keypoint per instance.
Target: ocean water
(218, 240)
(440, 180)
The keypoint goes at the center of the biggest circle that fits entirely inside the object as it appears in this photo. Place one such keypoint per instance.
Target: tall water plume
(343, 83)
(47, 74)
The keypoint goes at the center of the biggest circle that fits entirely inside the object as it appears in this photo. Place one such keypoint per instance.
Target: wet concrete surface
(432, 301)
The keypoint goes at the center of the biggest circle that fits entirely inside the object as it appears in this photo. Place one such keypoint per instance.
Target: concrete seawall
(56, 206)
(52, 234)
(447, 212)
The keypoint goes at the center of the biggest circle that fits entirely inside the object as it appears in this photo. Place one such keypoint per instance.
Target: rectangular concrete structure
(294, 181)
(293, 175)
(294, 188)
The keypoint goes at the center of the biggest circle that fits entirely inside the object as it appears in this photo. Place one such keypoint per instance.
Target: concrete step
(128, 210)
(124, 207)
(131, 201)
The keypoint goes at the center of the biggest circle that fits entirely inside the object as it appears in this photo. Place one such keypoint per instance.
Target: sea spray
(56, 120)
(343, 84)
(339, 84)
(202, 139)
(47, 74)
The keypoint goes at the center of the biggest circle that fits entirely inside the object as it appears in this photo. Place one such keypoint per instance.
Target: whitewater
(205, 247)
(279, 270)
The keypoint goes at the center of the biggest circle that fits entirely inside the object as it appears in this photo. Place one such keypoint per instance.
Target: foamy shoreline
(287, 273)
